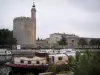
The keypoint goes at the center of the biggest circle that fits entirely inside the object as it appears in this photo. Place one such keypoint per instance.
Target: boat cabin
(58, 59)
(30, 61)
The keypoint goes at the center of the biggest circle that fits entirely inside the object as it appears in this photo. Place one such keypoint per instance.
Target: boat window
(22, 61)
(49, 58)
(37, 62)
(60, 58)
(52, 58)
(29, 62)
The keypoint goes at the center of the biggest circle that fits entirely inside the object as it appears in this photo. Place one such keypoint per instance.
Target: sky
(80, 17)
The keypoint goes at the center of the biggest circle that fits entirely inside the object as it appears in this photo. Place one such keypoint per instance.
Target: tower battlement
(22, 18)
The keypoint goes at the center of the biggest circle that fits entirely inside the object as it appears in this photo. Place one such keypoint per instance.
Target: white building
(58, 58)
(54, 38)
(24, 29)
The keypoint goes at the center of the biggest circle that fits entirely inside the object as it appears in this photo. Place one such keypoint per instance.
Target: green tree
(92, 42)
(62, 41)
(82, 42)
(86, 64)
(30, 73)
(58, 68)
(95, 69)
(98, 42)
(6, 38)
(95, 42)
(38, 39)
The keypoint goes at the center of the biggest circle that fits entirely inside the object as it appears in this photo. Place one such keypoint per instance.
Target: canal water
(4, 70)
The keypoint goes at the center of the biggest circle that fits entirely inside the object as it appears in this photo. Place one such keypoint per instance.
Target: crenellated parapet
(22, 18)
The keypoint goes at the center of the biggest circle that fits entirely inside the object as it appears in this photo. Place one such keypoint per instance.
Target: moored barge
(36, 64)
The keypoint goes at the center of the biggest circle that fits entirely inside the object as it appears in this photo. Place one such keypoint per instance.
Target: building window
(29, 62)
(37, 62)
(72, 41)
(60, 58)
(22, 61)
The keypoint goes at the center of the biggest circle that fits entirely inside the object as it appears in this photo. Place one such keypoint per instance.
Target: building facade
(71, 39)
(42, 44)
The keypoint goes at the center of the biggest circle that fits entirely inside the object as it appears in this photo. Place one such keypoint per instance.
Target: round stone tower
(24, 29)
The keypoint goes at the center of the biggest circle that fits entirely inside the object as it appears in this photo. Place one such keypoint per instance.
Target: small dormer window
(37, 62)
(29, 62)
(22, 61)
(60, 58)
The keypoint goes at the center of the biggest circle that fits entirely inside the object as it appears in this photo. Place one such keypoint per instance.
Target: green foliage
(62, 41)
(82, 42)
(86, 64)
(30, 73)
(95, 42)
(38, 39)
(6, 37)
(98, 42)
(53, 68)
(95, 69)
(92, 42)
(58, 68)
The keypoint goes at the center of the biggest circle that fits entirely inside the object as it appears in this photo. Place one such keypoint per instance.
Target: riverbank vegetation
(87, 63)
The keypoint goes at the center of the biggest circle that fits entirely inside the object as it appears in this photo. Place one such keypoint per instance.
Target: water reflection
(4, 70)
(4, 59)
